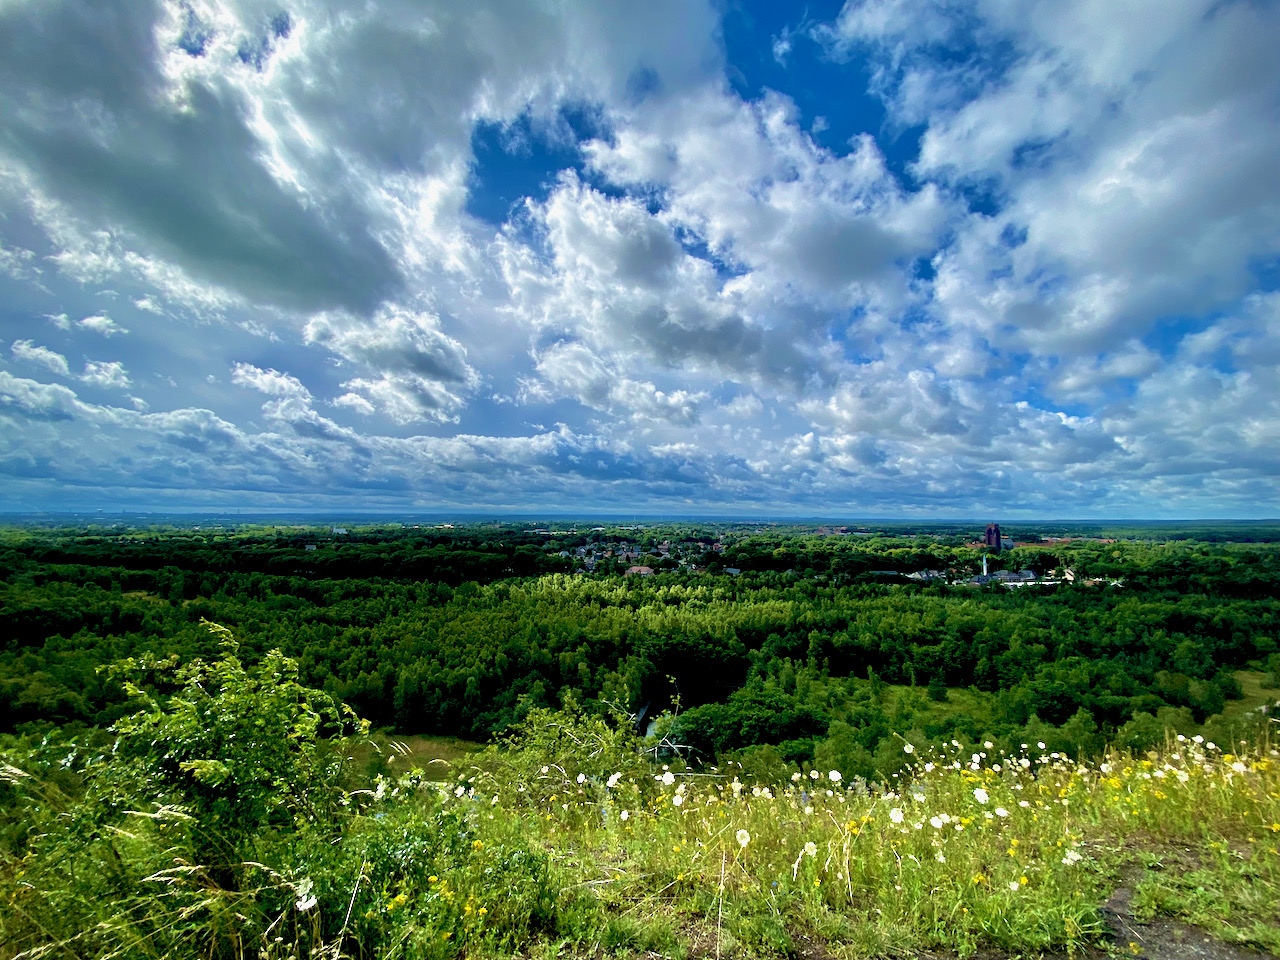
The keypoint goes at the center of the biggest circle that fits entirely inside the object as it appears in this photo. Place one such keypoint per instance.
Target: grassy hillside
(225, 821)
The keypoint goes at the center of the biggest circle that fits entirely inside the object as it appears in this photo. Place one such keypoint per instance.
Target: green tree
(239, 750)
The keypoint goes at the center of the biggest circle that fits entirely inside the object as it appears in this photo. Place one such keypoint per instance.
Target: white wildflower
(895, 815)
(613, 780)
(980, 795)
(834, 776)
(811, 849)
(743, 838)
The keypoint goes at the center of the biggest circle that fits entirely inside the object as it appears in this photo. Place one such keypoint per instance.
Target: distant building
(640, 571)
(992, 538)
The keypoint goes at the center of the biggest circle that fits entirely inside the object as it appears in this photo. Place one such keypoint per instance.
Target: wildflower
(795, 776)
(814, 774)
(1013, 885)
(979, 878)
(908, 748)
(808, 810)
(1040, 744)
(1238, 767)
(1071, 857)
(928, 768)
(988, 744)
(811, 849)
(613, 780)
(545, 769)
(1024, 803)
(582, 778)
(980, 795)
(935, 822)
(743, 838)
(895, 815)
(668, 778)
(624, 815)
(1001, 812)
(834, 776)
(918, 797)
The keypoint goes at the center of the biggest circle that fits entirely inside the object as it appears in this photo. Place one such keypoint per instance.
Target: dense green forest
(799, 644)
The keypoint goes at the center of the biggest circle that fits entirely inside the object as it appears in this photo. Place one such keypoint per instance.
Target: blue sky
(928, 258)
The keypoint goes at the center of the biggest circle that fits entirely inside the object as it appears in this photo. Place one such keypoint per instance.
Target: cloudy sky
(892, 258)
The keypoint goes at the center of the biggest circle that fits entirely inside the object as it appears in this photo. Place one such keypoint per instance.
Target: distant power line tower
(992, 538)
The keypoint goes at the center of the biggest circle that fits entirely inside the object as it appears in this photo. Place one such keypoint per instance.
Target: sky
(933, 258)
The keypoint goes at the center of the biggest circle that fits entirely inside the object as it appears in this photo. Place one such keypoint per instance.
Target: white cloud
(108, 374)
(28, 352)
(414, 370)
(271, 382)
(101, 324)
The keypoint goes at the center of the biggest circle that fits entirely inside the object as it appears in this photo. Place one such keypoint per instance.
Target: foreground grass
(566, 842)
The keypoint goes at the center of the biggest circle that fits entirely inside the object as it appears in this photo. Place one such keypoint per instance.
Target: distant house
(340, 531)
(310, 546)
(926, 575)
(733, 571)
(640, 571)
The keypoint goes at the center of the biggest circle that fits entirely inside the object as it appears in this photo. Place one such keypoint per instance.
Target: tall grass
(190, 835)
(605, 854)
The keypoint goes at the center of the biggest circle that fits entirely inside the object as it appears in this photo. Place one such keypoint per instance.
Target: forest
(768, 643)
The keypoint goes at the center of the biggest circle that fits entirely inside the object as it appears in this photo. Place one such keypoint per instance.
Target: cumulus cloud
(108, 374)
(1057, 301)
(102, 325)
(413, 370)
(271, 382)
(572, 370)
(28, 352)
